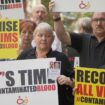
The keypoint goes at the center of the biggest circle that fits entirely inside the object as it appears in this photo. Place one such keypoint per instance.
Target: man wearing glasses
(90, 47)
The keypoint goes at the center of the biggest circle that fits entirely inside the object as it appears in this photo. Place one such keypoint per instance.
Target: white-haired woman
(43, 37)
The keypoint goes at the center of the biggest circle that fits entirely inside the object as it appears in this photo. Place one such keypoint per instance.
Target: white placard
(25, 82)
(76, 61)
(11, 9)
(79, 6)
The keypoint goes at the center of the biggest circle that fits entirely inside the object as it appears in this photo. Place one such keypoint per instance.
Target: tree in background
(46, 2)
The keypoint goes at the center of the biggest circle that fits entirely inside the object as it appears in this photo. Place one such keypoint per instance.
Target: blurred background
(68, 18)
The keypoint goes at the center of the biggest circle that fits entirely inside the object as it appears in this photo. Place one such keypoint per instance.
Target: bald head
(39, 13)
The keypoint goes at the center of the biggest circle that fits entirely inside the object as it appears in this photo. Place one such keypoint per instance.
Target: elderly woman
(43, 37)
(26, 34)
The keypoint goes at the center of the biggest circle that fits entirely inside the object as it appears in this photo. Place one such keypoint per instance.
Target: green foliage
(46, 2)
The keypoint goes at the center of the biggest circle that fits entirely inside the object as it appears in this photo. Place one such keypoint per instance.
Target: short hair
(44, 26)
(40, 5)
(85, 23)
(24, 22)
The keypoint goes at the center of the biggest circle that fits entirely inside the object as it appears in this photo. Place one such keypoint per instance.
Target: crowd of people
(39, 40)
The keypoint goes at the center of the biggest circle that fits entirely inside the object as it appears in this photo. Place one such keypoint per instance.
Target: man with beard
(90, 47)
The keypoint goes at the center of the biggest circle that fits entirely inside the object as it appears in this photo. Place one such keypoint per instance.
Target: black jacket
(64, 91)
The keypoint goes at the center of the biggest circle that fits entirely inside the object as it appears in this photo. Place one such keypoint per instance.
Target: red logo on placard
(84, 5)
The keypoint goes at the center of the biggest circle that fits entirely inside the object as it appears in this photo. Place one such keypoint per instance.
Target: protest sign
(25, 82)
(79, 6)
(9, 38)
(11, 9)
(90, 83)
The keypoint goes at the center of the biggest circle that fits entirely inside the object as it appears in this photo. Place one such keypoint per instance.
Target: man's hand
(55, 14)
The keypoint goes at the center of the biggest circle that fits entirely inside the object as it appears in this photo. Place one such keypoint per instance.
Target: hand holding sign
(79, 6)
(64, 80)
(51, 6)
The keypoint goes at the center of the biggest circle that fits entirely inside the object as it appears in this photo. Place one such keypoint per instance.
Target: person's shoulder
(80, 34)
(24, 54)
(27, 50)
(59, 55)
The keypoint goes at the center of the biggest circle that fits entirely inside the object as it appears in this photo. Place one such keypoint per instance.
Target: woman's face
(27, 34)
(43, 40)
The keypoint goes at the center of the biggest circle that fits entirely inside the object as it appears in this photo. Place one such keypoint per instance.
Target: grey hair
(44, 26)
(41, 6)
(85, 23)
